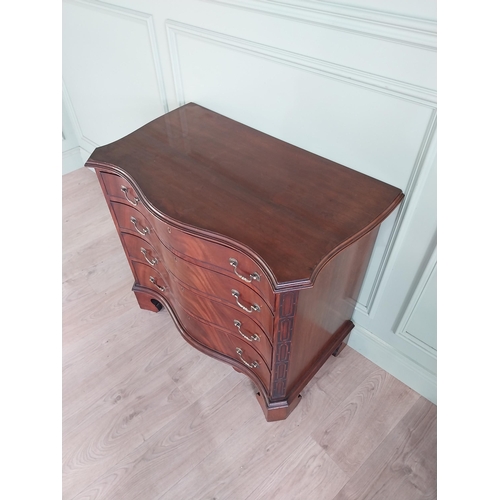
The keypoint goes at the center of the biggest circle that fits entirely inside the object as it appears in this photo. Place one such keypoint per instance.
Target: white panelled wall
(354, 82)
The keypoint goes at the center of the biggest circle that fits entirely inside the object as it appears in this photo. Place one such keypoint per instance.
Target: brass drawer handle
(253, 307)
(152, 262)
(253, 364)
(153, 280)
(144, 231)
(253, 338)
(253, 276)
(134, 202)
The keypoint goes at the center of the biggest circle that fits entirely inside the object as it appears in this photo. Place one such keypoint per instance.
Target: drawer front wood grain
(219, 341)
(142, 251)
(133, 220)
(221, 288)
(246, 355)
(224, 260)
(152, 279)
(119, 188)
(225, 317)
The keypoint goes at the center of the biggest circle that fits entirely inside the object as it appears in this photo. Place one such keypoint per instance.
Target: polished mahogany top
(219, 178)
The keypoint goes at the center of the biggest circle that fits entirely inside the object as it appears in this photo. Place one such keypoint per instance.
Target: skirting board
(73, 159)
(394, 362)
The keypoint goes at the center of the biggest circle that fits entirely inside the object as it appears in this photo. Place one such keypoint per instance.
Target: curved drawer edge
(211, 236)
(198, 345)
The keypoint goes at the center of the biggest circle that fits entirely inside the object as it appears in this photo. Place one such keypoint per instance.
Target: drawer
(142, 250)
(206, 253)
(133, 220)
(219, 341)
(247, 356)
(152, 279)
(229, 319)
(119, 188)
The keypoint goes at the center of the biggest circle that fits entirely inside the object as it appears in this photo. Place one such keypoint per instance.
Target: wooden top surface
(209, 173)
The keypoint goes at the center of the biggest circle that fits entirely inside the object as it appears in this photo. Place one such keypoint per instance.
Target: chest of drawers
(257, 248)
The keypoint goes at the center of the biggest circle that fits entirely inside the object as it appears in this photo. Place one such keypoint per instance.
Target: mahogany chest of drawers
(257, 248)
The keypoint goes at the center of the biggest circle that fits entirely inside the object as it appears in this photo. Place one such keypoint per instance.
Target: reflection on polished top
(292, 208)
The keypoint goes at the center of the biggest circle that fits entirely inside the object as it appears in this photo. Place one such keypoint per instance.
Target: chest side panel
(323, 312)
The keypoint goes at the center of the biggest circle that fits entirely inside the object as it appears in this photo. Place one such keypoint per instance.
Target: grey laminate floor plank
(403, 467)
(361, 422)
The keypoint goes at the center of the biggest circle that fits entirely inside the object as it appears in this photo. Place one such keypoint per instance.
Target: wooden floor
(146, 416)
